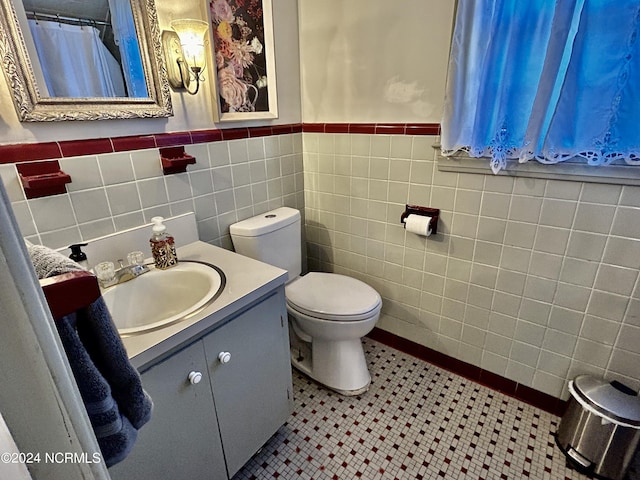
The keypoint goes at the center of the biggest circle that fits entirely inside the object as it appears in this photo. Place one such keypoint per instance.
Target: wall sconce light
(185, 53)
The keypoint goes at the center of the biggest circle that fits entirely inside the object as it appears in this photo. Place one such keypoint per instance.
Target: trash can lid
(607, 399)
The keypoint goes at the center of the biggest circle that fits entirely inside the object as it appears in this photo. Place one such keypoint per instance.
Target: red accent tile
(173, 139)
(497, 382)
(336, 128)
(260, 132)
(465, 369)
(313, 127)
(423, 129)
(235, 133)
(25, 152)
(540, 399)
(366, 128)
(205, 136)
(76, 148)
(50, 150)
(124, 144)
(390, 129)
(282, 129)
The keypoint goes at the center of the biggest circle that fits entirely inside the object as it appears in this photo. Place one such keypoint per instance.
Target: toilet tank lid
(265, 223)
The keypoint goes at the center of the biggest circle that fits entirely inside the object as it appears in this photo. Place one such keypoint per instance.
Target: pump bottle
(162, 245)
(78, 256)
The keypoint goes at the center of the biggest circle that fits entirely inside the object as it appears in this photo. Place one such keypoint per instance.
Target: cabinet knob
(195, 377)
(224, 357)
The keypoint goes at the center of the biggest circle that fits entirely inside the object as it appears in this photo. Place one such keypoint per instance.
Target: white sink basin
(161, 297)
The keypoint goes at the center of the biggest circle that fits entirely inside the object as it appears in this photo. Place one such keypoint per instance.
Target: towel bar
(68, 292)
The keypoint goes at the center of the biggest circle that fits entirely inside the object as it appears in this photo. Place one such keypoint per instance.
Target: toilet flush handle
(224, 357)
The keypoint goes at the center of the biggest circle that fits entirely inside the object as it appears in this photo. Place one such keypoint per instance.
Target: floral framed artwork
(244, 63)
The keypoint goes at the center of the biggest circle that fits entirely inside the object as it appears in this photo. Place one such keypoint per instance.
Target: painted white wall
(366, 61)
(190, 112)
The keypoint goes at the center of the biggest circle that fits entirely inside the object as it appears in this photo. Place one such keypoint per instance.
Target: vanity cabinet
(181, 440)
(252, 391)
(216, 401)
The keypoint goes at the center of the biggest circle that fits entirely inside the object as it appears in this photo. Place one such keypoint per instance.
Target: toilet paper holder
(434, 213)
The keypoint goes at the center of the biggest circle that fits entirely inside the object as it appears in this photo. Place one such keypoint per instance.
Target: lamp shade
(192, 36)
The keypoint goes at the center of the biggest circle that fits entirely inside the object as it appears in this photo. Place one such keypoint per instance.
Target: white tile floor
(417, 421)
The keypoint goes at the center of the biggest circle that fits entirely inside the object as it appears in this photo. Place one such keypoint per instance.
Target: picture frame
(243, 63)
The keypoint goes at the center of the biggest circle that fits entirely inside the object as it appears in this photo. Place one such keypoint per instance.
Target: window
(555, 81)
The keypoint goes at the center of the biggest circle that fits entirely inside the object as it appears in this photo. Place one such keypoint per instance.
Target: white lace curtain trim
(499, 156)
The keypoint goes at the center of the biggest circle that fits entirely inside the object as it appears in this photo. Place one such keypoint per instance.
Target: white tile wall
(230, 181)
(536, 280)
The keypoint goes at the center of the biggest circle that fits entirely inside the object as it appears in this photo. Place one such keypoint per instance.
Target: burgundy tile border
(390, 129)
(141, 142)
(498, 382)
(313, 127)
(366, 128)
(282, 129)
(235, 133)
(336, 128)
(94, 146)
(423, 129)
(374, 128)
(526, 394)
(173, 139)
(26, 152)
(206, 136)
(260, 132)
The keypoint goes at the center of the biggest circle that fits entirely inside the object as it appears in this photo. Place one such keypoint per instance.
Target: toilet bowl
(328, 313)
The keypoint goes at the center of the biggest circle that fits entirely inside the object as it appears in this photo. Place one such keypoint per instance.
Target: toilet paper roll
(418, 224)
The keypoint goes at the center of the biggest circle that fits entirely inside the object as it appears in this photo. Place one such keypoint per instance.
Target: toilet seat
(331, 296)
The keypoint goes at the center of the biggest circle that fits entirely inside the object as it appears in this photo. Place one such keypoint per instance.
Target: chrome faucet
(129, 272)
(109, 276)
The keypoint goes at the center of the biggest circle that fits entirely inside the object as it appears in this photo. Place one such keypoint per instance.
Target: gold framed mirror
(127, 81)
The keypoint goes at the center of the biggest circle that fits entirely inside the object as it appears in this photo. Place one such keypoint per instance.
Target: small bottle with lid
(162, 245)
(78, 256)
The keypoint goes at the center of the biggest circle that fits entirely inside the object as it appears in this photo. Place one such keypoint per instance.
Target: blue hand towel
(110, 387)
(114, 431)
(102, 342)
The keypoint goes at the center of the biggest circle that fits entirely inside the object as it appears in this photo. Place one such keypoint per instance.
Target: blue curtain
(546, 80)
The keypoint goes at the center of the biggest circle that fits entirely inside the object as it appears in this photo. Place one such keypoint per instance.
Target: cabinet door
(181, 440)
(252, 391)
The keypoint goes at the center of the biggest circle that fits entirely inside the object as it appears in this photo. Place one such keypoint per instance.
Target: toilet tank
(272, 237)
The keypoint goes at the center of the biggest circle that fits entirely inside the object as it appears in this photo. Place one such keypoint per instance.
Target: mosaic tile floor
(417, 421)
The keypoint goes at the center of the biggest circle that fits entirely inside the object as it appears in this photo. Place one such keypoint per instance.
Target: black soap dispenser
(78, 256)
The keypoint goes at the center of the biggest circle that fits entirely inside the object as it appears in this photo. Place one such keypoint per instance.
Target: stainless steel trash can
(600, 431)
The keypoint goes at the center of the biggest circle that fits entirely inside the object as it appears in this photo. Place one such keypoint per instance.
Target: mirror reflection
(116, 72)
(85, 48)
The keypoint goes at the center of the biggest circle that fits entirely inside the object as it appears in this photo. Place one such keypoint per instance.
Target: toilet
(328, 313)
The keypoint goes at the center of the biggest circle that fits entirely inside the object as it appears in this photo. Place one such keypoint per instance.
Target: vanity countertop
(247, 280)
